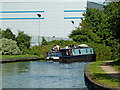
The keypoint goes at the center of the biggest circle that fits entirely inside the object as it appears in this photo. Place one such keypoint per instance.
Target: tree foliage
(44, 42)
(9, 47)
(8, 34)
(84, 34)
(101, 27)
(23, 40)
(112, 12)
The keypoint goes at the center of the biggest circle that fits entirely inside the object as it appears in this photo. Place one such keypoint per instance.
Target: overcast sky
(48, 0)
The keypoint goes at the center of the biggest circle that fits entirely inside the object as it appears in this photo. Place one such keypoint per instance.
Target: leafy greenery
(40, 50)
(112, 12)
(101, 51)
(9, 47)
(44, 42)
(84, 34)
(7, 34)
(100, 76)
(17, 56)
(116, 64)
(23, 41)
(100, 28)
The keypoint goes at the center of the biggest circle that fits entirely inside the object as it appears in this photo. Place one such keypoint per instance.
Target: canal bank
(92, 82)
(20, 59)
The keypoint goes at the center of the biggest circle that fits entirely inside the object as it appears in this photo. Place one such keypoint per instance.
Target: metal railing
(36, 41)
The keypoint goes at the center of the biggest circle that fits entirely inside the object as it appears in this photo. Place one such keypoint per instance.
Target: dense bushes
(22, 41)
(40, 50)
(9, 47)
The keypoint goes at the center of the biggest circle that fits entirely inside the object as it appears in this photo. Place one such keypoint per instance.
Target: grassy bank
(100, 76)
(17, 56)
(116, 64)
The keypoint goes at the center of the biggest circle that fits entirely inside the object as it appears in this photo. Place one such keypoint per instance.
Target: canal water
(43, 75)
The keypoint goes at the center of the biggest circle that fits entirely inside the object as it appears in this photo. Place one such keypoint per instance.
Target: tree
(44, 42)
(84, 34)
(112, 12)
(100, 27)
(23, 40)
(8, 34)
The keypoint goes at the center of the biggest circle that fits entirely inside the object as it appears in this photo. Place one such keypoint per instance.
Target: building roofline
(95, 3)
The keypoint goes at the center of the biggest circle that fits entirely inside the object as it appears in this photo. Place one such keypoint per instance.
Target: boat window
(91, 50)
(86, 51)
(67, 53)
(79, 51)
(70, 52)
(74, 52)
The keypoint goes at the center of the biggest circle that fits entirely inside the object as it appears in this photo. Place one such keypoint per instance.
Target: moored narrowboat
(73, 54)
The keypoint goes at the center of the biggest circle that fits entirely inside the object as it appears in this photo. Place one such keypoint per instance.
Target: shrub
(40, 50)
(9, 47)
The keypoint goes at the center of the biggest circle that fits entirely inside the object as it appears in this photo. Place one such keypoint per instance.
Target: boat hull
(80, 58)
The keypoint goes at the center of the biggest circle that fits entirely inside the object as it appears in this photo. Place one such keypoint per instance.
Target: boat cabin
(69, 52)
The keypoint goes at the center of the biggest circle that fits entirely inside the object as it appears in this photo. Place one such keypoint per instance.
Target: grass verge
(17, 56)
(100, 76)
(116, 64)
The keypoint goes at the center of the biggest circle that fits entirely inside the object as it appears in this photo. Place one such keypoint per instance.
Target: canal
(43, 75)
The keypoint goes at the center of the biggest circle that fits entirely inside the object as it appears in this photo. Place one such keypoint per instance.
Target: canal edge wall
(92, 85)
(8, 60)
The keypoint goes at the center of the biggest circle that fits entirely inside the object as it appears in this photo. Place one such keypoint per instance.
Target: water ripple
(43, 75)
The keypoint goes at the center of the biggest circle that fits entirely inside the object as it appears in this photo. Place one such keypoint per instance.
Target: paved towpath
(111, 71)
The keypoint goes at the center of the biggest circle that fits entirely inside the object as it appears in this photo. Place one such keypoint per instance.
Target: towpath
(111, 71)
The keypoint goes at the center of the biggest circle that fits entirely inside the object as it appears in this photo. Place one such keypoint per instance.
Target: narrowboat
(72, 54)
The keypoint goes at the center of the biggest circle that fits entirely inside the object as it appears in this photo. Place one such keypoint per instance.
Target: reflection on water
(43, 75)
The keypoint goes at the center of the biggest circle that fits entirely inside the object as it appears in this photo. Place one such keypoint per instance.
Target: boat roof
(74, 48)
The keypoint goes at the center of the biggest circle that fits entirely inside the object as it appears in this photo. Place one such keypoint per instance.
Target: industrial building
(48, 19)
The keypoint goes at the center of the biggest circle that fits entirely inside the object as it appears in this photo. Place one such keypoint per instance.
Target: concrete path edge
(92, 85)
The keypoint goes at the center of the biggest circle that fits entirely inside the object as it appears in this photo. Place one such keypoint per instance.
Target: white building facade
(57, 19)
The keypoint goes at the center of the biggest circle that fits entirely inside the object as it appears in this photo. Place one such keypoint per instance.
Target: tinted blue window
(82, 51)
